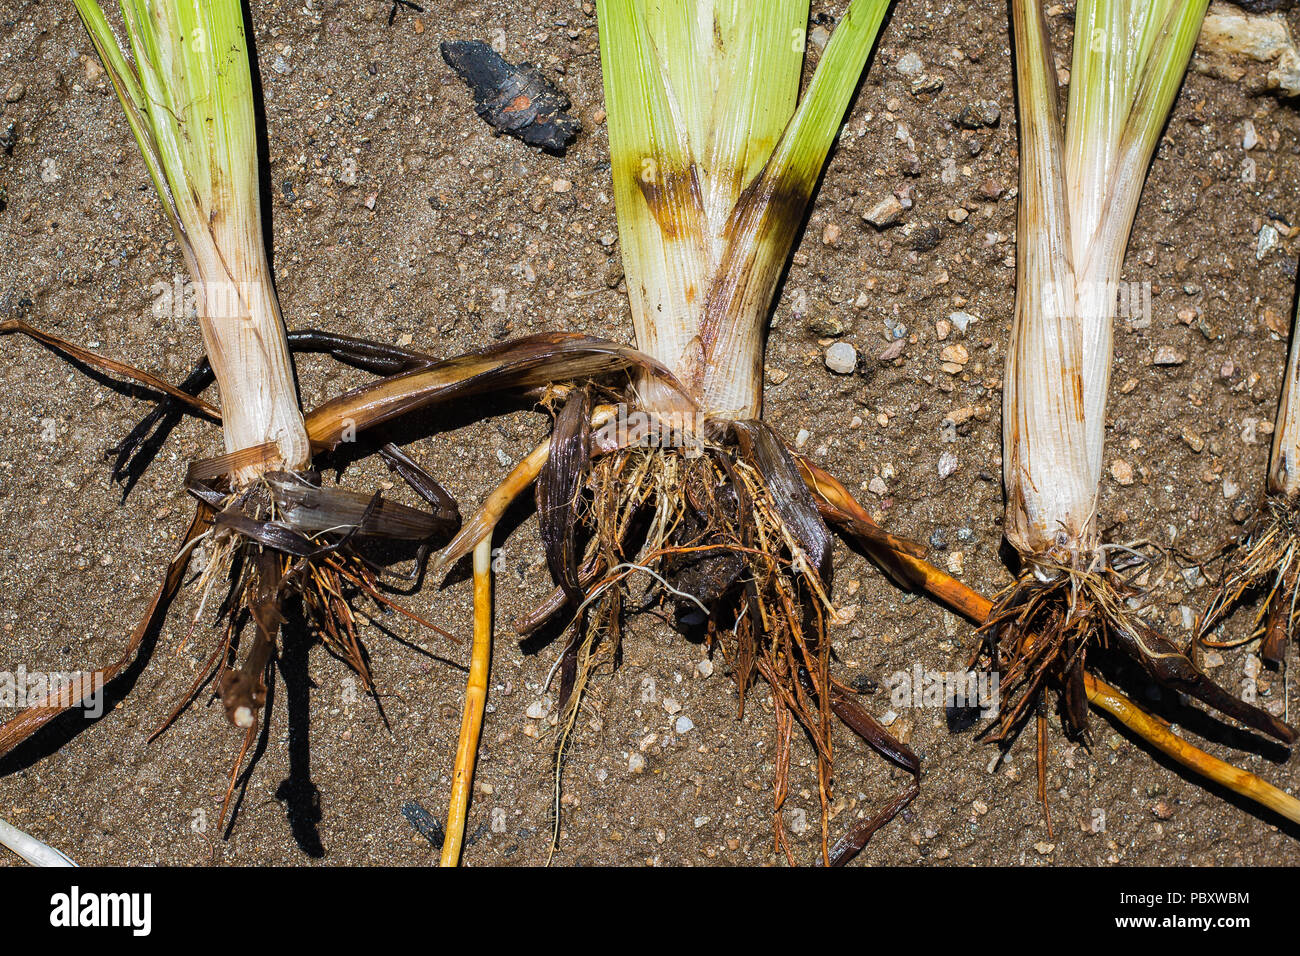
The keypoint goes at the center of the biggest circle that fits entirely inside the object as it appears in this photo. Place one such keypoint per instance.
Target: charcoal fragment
(425, 823)
(516, 100)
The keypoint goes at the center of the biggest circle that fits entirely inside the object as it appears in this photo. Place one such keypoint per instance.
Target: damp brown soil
(398, 216)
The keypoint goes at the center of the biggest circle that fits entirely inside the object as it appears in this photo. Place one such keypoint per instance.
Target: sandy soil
(398, 215)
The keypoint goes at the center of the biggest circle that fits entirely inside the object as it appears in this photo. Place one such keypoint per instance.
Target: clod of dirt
(517, 100)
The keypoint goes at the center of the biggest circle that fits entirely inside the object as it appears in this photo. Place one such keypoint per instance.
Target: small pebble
(828, 325)
(955, 354)
(893, 350)
(960, 320)
(281, 66)
(1121, 471)
(15, 93)
(536, 710)
(841, 358)
(1266, 242)
(885, 213)
(683, 725)
(980, 113)
(636, 763)
(947, 464)
(1168, 355)
(909, 64)
(704, 669)
(672, 706)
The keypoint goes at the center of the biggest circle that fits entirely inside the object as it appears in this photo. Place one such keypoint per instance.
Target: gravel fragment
(893, 350)
(798, 819)
(683, 725)
(978, 114)
(955, 354)
(910, 64)
(962, 320)
(1168, 355)
(887, 212)
(841, 358)
(827, 325)
(947, 464)
(1266, 241)
(925, 238)
(15, 93)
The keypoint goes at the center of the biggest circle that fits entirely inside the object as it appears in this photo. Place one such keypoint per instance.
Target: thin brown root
(249, 734)
(1268, 561)
(714, 547)
(1042, 632)
(1042, 770)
